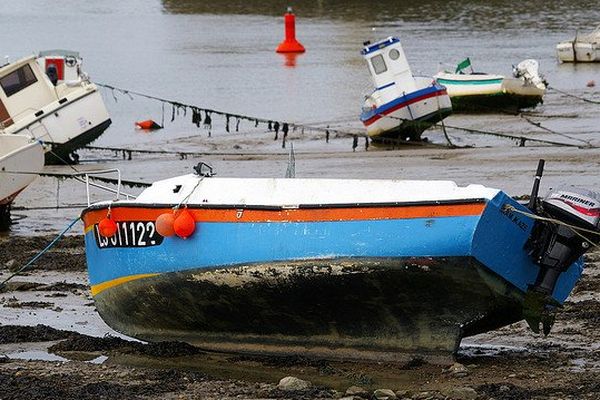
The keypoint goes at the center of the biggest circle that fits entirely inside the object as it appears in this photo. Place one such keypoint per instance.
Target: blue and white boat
(354, 269)
(402, 106)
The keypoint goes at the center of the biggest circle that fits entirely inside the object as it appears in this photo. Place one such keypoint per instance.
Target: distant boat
(402, 106)
(21, 158)
(582, 48)
(56, 104)
(371, 269)
(482, 92)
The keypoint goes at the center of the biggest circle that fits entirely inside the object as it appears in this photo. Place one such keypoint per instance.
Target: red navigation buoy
(107, 227)
(290, 44)
(165, 224)
(148, 125)
(184, 224)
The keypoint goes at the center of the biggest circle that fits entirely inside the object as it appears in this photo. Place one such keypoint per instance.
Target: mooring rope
(574, 96)
(274, 125)
(41, 253)
(521, 139)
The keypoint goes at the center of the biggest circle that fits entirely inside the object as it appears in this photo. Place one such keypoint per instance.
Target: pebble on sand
(357, 391)
(384, 394)
(291, 383)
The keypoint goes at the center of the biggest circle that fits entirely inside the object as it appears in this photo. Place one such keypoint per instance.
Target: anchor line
(132, 184)
(574, 96)
(41, 253)
(521, 139)
(177, 106)
(539, 125)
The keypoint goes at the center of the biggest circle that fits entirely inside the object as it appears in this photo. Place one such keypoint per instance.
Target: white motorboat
(66, 114)
(482, 92)
(582, 48)
(402, 106)
(21, 158)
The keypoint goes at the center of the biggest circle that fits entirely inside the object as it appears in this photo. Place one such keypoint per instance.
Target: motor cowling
(529, 71)
(570, 226)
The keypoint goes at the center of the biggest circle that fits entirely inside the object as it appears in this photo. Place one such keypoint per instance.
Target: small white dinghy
(21, 158)
(402, 106)
(582, 48)
(482, 92)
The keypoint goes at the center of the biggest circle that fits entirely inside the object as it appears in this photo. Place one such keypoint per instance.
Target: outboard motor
(571, 226)
(529, 71)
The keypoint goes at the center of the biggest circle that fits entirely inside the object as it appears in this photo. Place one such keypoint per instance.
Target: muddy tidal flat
(53, 345)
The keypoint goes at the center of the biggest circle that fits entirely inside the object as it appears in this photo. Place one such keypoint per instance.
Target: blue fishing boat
(353, 269)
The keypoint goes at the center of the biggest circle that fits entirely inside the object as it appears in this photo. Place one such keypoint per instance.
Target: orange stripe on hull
(125, 213)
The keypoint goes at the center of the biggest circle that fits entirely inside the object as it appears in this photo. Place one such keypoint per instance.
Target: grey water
(220, 55)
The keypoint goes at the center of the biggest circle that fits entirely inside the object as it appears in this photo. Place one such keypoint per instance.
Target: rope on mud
(127, 152)
(41, 253)
(522, 139)
(273, 124)
(132, 184)
(574, 96)
(539, 125)
(576, 229)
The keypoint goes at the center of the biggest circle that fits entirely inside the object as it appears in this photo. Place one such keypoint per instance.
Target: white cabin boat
(402, 106)
(65, 116)
(21, 158)
(482, 92)
(582, 48)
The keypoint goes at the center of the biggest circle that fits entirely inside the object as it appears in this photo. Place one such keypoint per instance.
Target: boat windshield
(17, 80)
(378, 64)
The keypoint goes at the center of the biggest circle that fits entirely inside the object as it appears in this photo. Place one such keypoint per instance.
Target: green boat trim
(443, 81)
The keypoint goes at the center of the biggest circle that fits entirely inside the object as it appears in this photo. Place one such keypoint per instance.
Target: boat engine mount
(570, 226)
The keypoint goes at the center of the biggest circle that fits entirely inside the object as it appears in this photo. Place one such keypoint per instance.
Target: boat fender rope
(41, 253)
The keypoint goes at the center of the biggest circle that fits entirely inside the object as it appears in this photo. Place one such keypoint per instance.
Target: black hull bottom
(5, 220)
(377, 309)
(507, 103)
(61, 153)
(411, 130)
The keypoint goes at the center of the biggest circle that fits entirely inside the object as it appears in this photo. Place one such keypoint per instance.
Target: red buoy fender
(107, 227)
(148, 125)
(165, 224)
(184, 225)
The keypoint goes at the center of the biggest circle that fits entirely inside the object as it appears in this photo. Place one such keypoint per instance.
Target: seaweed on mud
(68, 254)
(62, 386)
(38, 333)
(111, 343)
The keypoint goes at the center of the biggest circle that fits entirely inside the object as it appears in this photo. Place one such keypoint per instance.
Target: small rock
(4, 359)
(512, 375)
(504, 388)
(357, 391)
(290, 383)
(401, 394)
(10, 263)
(461, 393)
(384, 394)
(458, 370)
(591, 83)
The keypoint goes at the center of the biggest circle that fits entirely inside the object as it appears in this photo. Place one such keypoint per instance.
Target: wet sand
(71, 353)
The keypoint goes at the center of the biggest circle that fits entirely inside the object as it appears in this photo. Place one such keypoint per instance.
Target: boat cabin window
(378, 64)
(17, 80)
(394, 54)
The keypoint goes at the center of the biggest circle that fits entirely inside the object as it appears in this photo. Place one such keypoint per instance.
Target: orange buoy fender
(107, 227)
(165, 224)
(184, 224)
(148, 124)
